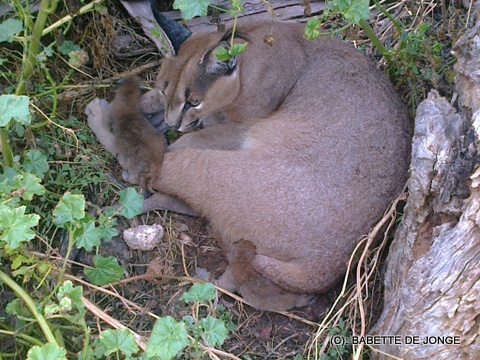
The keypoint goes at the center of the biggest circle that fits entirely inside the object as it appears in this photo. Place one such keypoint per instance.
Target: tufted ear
(173, 31)
(217, 61)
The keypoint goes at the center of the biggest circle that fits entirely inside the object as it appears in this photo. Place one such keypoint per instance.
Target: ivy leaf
(107, 232)
(168, 338)
(87, 236)
(118, 340)
(192, 8)
(8, 174)
(222, 54)
(15, 226)
(132, 203)
(199, 292)
(69, 209)
(354, 10)
(214, 330)
(34, 161)
(68, 46)
(9, 28)
(107, 225)
(238, 48)
(312, 28)
(14, 107)
(74, 293)
(106, 270)
(50, 351)
(27, 185)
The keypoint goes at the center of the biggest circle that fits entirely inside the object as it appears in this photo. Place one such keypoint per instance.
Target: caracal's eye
(193, 102)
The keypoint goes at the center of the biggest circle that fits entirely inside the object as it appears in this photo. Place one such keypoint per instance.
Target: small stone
(143, 237)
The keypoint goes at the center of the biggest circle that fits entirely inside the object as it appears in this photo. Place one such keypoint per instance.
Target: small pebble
(143, 237)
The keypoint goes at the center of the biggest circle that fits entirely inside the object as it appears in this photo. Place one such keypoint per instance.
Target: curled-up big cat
(292, 150)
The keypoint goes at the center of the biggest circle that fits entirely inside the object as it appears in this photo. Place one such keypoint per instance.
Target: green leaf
(14, 107)
(192, 8)
(9, 28)
(214, 330)
(75, 293)
(107, 225)
(199, 292)
(20, 260)
(87, 236)
(50, 351)
(237, 7)
(222, 54)
(35, 161)
(238, 48)
(168, 338)
(26, 186)
(312, 28)
(118, 340)
(132, 203)
(68, 46)
(6, 183)
(69, 209)
(15, 226)
(106, 270)
(354, 10)
(107, 232)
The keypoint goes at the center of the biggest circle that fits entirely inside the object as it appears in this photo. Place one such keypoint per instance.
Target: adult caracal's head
(195, 83)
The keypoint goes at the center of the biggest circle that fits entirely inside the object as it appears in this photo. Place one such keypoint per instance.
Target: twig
(389, 215)
(113, 322)
(83, 10)
(331, 319)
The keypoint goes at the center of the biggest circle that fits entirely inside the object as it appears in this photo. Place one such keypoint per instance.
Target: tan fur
(138, 147)
(315, 147)
(260, 291)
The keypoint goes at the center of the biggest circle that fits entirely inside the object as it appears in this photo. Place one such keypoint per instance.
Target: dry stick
(332, 315)
(67, 130)
(116, 324)
(88, 88)
(384, 353)
(343, 292)
(140, 340)
(283, 342)
(214, 352)
(184, 261)
(135, 71)
(179, 279)
(111, 293)
(360, 285)
(84, 9)
(222, 290)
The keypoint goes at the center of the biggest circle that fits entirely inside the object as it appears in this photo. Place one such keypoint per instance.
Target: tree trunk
(432, 282)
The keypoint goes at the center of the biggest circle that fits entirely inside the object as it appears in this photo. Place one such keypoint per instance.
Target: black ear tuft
(175, 32)
(217, 64)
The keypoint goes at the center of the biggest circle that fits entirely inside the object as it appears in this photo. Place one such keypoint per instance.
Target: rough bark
(432, 282)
